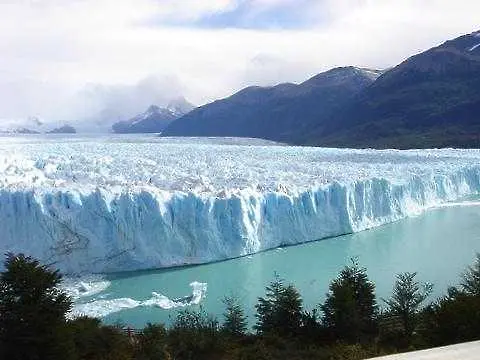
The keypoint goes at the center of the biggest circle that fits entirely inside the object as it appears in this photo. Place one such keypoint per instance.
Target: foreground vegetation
(350, 324)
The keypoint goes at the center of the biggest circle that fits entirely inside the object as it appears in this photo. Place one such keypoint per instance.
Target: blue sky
(248, 14)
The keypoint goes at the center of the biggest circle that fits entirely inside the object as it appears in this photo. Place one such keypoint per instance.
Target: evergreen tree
(471, 279)
(452, 319)
(456, 317)
(280, 311)
(266, 307)
(406, 299)
(350, 309)
(32, 312)
(235, 322)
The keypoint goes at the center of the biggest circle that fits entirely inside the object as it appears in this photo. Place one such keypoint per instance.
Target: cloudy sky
(69, 60)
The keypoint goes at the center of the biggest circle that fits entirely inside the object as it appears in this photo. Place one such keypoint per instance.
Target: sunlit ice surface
(116, 203)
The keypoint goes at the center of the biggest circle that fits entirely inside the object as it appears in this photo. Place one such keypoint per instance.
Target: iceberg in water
(102, 307)
(115, 204)
(85, 286)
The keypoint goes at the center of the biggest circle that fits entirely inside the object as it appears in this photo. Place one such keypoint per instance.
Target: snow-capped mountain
(155, 119)
(24, 131)
(180, 106)
(33, 125)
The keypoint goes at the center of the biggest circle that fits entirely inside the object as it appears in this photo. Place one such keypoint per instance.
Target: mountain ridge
(154, 119)
(249, 112)
(429, 100)
(65, 129)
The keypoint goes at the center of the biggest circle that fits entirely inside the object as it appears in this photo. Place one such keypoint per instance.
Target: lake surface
(438, 244)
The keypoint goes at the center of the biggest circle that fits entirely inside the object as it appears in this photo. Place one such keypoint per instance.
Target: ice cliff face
(104, 205)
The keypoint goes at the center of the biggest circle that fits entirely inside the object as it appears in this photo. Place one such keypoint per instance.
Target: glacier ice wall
(91, 206)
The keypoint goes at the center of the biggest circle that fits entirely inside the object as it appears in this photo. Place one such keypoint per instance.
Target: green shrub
(194, 335)
(99, 342)
(453, 319)
(152, 343)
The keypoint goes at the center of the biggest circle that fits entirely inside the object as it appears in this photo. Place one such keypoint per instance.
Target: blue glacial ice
(105, 204)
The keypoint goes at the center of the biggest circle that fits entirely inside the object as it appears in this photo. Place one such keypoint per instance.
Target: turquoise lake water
(438, 244)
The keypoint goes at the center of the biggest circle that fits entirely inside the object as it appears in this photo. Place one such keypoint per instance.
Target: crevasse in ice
(101, 204)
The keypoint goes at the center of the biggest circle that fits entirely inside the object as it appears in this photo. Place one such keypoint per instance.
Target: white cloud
(192, 9)
(111, 103)
(52, 50)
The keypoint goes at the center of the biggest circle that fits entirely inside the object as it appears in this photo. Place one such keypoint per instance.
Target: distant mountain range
(430, 100)
(281, 112)
(155, 119)
(25, 131)
(32, 126)
(65, 129)
(29, 125)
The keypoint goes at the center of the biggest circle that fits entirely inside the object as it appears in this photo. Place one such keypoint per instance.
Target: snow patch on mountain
(151, 111)
(371, 73)
(474, 47)
(180, 106)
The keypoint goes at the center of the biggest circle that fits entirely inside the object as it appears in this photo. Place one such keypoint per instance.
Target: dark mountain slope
(280, 113)
(430, 100)
(65, 129)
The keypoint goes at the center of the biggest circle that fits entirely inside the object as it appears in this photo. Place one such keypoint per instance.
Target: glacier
(117, 203)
